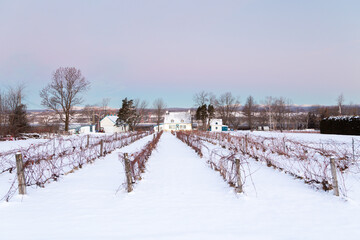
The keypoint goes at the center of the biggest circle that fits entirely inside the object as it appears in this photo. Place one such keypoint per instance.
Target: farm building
(217, 126)
(175, 121)
(82, 129)
(108, 125)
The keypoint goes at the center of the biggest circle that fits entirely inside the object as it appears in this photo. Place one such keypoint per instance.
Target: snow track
(179, 197)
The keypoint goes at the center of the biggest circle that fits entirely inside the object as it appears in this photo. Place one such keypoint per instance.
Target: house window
(216, 124)
(172, 127)
(172, 120)
(182, 126)
(182, 120)
(216, 128)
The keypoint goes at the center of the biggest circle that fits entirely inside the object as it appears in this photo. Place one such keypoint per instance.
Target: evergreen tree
(18, 120)
(204, 113)
(127, 114)
(211, 111)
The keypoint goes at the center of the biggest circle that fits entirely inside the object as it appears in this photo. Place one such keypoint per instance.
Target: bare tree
(141, 108)
(89, 112)
(249, 111)
(201, 98)
(353, 109)
(3, 113)
(63, 93)
(227, 106)
(13, 117)
(104, 106)
(268, 104)
(159, 107)
(340, 102)
(280, 109)
(263, 118)
(235, 121)
(14, 97)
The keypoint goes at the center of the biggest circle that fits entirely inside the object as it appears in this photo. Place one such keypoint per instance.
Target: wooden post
(20, 173)
(334, 177)
(128, 172)
(54, 146)
(101, 147)
(239, 187)
(246, 144)
(284, 143)
(88, 141)
(353, 149)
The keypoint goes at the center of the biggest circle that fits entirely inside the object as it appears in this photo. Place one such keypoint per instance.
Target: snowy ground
(307, 137)
(179, 197)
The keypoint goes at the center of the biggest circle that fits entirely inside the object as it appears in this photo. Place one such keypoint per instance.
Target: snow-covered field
(179, 197)
(304, 137)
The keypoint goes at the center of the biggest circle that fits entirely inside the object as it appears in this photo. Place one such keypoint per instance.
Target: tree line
(275, 113)
(67, 86)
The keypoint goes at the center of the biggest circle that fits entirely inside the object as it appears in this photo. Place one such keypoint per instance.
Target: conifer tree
(127, 114)
(18, 120)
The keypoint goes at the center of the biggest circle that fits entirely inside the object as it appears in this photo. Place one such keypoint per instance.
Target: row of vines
(135, 163)
(308, 161)
(48, 161)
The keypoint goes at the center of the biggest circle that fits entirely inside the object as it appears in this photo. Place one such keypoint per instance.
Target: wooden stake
(88, 141)
(20, 173)
(101, 147)
(334, 176)
(239, 187)
(128, 172)
(284, 144)
(353, 149)
(246, 144)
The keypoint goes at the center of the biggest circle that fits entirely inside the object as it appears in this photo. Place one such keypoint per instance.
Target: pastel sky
(305, 50)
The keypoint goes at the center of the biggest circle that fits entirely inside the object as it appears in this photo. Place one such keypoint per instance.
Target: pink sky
(308, 51)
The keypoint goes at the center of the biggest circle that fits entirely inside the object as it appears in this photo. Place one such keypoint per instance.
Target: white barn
(175, 121)
(108, 125)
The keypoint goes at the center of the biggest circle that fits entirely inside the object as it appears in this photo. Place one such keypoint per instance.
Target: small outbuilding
(216, 125)
(85, 129)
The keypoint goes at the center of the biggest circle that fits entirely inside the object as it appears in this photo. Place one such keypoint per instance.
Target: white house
(175, 121)
(108, 125)
(216, 125)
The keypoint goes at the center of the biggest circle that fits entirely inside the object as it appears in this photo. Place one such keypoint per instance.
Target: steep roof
(112, 118)
(177, 117)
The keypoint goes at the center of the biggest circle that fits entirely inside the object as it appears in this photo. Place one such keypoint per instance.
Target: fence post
(246, 144)
(334, 177)
(20, 173)
(101, 147)
(128, 172)
(284, 143)
(88, 141)
(353, 149)
(239, 187)
(116, 136)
